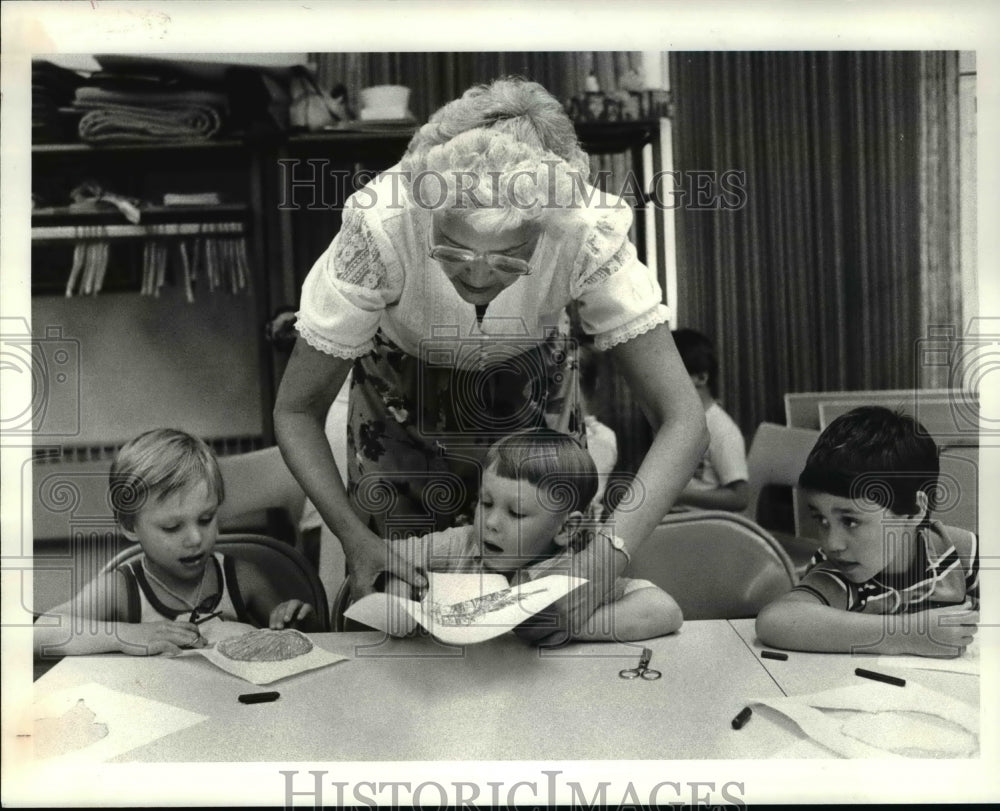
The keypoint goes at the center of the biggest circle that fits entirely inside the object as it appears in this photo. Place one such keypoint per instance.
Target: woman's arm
(656, 376)
(308, 388)
(661, 385)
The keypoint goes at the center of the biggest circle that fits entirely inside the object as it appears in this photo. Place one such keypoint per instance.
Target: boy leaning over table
(888, 578)
(165, 488)
(537, 484)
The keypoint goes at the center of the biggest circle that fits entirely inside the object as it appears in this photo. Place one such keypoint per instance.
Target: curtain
(437, 78)
(844, 245)
(940, 260)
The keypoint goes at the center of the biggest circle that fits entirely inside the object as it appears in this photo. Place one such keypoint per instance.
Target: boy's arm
(733, 497)
(90, 623)
(728, 456)
(641, 614)
(799, 621)
(265, 604)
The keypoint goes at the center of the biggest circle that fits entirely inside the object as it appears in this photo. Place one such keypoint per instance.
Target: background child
(868, 483)
(536, 485)
(720, 481)
(165, 490)
(602, 444)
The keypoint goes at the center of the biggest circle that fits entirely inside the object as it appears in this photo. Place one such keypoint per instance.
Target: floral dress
(434, 383)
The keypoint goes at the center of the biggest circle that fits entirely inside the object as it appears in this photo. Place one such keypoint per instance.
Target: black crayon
(871, 674)
(771, 654)
(258, 698)
(742, 718)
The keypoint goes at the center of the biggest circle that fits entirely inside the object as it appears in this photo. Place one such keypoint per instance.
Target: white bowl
(386, 97)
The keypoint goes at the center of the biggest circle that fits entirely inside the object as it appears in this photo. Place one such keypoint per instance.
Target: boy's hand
(158, 638)
(943, 632)
(952, 627)
(290, 612)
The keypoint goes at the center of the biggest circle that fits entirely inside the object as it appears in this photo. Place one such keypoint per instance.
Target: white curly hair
(506, 152)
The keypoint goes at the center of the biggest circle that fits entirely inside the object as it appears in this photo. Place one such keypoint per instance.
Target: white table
(804, 672)
(415, 699)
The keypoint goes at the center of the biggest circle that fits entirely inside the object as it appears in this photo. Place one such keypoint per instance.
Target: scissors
(641, 671)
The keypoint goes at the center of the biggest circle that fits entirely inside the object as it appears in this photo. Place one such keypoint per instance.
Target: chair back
(776, 457)
(292, 575)
(258, 481)
(715, 564)
(338, 622)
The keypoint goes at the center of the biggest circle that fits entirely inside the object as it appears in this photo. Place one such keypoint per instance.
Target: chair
(715, 564)
(256, 482)
(338, 622)
(776, 457)
(259, 480)
(287, 567)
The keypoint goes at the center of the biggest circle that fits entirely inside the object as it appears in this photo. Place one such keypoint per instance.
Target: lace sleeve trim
(328, 347)
(634, 328)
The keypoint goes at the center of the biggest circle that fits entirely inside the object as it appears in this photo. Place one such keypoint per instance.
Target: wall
(147, 362)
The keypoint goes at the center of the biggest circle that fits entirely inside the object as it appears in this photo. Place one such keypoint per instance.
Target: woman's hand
(600, 564)
(158, 638)
(368, 557)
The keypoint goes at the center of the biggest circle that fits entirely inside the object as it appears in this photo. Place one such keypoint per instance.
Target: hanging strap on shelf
(90, 261)
(79, 251)
(186, 271)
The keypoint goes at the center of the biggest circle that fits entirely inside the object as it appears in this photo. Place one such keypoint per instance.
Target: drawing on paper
(75, 729)
(265, 645)
(469, 612)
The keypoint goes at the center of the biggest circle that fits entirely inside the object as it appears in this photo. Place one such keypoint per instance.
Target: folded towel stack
(52, 89)
(121, 115)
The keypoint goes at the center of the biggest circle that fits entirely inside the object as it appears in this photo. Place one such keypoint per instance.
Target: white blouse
(377, 274)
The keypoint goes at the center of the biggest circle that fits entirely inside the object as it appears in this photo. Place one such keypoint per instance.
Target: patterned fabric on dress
(417, 431)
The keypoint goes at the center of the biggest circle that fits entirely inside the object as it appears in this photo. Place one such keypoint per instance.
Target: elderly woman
(444, 291)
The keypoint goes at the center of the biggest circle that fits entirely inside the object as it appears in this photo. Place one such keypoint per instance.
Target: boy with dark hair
(869, 484)
(720, 481)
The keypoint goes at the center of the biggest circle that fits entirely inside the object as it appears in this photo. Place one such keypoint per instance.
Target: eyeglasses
(497, 261)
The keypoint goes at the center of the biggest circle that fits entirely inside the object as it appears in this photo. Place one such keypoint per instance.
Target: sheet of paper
(267, 672)
(92, 723)
(884, 721)
(483, 616)
(967, 663)
(463, 609)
